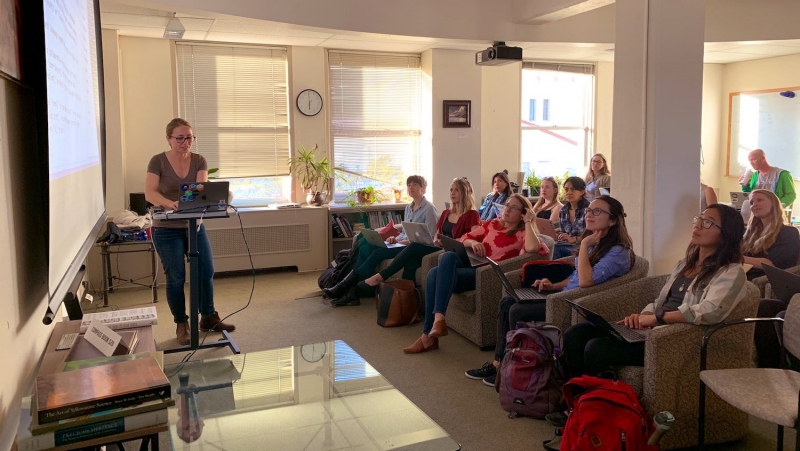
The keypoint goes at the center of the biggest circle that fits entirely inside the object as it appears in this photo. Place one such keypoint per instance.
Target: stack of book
(91, 399)
(342, 227)
(122, 319)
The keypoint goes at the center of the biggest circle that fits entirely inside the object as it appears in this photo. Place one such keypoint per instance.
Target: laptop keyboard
(530, 293)
(630, 334)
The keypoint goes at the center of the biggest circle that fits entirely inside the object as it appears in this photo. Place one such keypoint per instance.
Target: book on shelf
(337, 230)
(38, 429)
(122, 319)
(82, 349)
(74, 393)
(26, 441)
(346, 223)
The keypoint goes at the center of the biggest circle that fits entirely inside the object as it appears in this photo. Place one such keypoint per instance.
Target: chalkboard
(768, 120)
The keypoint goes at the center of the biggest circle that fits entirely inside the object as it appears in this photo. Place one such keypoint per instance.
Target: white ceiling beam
(533, 12)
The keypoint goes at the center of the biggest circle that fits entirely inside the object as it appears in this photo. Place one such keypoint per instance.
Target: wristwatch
(660, 316)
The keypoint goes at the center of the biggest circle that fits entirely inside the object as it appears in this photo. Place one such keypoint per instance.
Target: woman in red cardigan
(454, 222)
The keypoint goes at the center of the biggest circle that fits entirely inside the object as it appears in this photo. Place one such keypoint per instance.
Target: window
(532, 110)
(375, 109)
(236, 98)
(267, 381)
(352, 374)
(561, 141)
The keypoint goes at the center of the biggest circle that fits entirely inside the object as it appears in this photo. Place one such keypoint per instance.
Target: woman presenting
(165, 174)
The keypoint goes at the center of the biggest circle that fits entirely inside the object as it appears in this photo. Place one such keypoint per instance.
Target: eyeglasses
(705, 223)
(512, 208)
(596, 211)
(183, 139)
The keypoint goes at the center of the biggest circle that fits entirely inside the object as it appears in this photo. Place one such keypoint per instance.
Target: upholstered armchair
(473, 314)
(559, 312)
(763, 284)
(670, 378)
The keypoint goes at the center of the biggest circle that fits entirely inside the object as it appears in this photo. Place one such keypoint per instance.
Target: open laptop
(546, 228)
(521, 295)
(467, 256)
(617, 331)
(784, 284)
(417, 232)
(374, 238)
(738, 199)
(203, 196)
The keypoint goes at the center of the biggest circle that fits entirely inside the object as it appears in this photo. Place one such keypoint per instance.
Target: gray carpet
(287, 310)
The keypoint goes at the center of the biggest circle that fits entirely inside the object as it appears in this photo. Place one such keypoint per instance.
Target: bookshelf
(378, 213)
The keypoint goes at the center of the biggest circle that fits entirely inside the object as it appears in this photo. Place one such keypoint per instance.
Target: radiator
(276, 238)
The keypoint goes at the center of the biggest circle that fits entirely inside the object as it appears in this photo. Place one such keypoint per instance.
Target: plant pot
(535, 191)
(317, 199)
(398, 194)
(363, 198)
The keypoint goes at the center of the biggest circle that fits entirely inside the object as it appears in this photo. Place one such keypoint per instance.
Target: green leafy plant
(211, 173)
(534, 183)
(315, 176)
(561, 180)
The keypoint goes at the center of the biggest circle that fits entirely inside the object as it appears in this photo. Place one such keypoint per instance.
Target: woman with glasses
(501, 191)
(166, 172)
(548, 200)
(605, 252)
(454, 222)
(571, 218)
(598, 176)
(703, 289)
(513, 233)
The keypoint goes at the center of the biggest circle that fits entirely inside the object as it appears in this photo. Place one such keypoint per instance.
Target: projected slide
(76, 201)
(72, 120)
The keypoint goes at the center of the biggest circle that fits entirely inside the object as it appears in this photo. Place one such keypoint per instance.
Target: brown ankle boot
(182, 332)
(212, 322)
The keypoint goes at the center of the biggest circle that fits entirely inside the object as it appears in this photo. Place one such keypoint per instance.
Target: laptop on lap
(617, 331)
(374, 238)
(467, 256)
(418, 232)
(784, 284)
(521, 295)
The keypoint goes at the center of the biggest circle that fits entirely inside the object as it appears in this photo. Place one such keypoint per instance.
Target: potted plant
(533, 183)
(315, 176)
(398, 192)
(367, 195)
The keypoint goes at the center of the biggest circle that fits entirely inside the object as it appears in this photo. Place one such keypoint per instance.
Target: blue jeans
(172, 246)
(369, 257)
(564, 250)
(451, 276)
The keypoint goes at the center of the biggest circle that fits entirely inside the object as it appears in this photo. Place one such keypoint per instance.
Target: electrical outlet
(89, 298)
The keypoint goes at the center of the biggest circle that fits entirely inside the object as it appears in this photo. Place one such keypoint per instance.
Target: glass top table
(321, 396)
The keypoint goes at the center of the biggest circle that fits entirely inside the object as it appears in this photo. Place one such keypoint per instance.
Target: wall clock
(309, 102)
(314, 352)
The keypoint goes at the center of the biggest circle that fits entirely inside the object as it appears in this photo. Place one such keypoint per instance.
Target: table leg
(106, 264)
(155, 272)
(194, 284)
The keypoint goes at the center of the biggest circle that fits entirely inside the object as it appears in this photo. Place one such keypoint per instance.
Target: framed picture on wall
(9, 39)
(457, 113)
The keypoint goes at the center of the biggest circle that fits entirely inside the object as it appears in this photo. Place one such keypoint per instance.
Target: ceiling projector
(498, 54)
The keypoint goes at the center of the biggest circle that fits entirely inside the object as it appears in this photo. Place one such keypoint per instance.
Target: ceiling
(144, 22)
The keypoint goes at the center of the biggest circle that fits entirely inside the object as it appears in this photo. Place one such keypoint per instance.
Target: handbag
(398, 303)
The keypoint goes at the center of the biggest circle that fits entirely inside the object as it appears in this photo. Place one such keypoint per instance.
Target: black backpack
(340, 267)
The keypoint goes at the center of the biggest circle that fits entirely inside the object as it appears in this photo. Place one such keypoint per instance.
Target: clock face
(314, 352)
(309, 102)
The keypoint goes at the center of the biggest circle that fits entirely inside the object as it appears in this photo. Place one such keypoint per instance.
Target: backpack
(603, 415)
(529, 378)
(339, 268)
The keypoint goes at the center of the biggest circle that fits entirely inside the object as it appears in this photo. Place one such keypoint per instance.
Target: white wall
(768, 73)
(116, 195)
(709, 134)
(604, 108)
(500, 117)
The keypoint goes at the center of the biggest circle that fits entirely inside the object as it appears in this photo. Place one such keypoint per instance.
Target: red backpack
(604, 415)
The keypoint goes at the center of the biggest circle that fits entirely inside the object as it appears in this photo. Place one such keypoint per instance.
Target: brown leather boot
(182, 332)
(212, 322)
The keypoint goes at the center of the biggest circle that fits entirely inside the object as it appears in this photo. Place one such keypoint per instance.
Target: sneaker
(485, 371)
(557, 419)
(489, 380)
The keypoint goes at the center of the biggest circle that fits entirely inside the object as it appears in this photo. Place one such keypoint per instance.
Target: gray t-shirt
(169, 182)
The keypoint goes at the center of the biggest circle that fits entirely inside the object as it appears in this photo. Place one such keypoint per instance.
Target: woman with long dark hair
(703, 289)
(501, 191)
(606, 251)
(571, 217)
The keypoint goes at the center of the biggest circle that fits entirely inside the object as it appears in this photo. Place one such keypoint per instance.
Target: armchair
(763, 283)
(670, 378)
(473, 314)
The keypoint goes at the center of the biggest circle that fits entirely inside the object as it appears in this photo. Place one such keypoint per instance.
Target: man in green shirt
(777, 180)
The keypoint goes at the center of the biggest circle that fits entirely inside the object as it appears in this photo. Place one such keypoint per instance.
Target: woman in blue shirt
(501, 190)
(571, 218)
(606, 251)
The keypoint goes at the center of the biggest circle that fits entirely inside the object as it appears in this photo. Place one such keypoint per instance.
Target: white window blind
(267, 379)
(236, 99)
(352, 374)
(375, 108)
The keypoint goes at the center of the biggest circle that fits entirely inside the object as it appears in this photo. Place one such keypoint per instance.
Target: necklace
(683, 286)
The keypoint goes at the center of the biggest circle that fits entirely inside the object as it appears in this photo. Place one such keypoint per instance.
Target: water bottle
(663, 422)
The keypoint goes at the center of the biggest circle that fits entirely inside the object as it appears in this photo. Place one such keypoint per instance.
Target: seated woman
(514, 233)
(598, 176)
(605, 252)
(454, 222)
(369, 256)
(703, 289)
(571, 218)
(501, 191)
(767, 240)
(548, 200)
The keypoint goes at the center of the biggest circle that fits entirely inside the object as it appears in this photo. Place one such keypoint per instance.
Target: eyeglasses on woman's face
(704, 223)
(511, 208)
(596, 211)
(183, 139)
